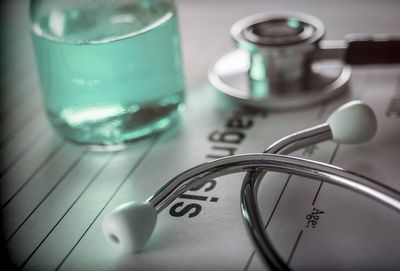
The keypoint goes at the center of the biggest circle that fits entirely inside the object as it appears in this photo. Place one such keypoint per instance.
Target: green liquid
(110, 75)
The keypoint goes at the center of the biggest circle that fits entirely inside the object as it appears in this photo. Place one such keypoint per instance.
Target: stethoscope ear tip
(129, 226)
(353, 123)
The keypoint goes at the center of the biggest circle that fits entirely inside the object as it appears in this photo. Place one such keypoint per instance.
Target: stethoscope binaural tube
(129, 226)
(337, 129)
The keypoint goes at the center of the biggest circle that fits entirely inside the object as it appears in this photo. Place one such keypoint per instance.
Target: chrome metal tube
(249, 203)
(312, 170)
(285, 145)
(277, 163)
(301, 139)
(256, 165)
(252, 180)
(292, 143)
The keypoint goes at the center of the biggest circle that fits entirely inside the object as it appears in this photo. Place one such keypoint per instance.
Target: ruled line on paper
(45, 217)
(330, 162)
(18, 144)
(320, 113)
(68, 231)
(24, 150)
(277, 202)
(22, 93)
(81, 247)
(135, 166)
(365, 83)
(70, 168)
(70, 207)
(294, 247)
(31, 159)
(36, 171)
(246, 267)
(269, 220)
(22, 122)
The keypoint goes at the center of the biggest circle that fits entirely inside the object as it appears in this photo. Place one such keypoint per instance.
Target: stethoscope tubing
(261, 162)
(275, 163)
(257, 165)
(311, 170)
(130, 225)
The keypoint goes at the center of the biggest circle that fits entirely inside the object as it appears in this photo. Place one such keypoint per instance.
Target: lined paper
(54, 194)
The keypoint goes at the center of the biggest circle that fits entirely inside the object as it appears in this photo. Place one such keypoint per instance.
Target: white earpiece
(130, 225)
(352, 123)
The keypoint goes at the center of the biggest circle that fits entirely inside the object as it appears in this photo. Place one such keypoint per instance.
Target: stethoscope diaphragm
(275, 66)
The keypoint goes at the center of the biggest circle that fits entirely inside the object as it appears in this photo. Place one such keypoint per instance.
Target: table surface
(54, 194)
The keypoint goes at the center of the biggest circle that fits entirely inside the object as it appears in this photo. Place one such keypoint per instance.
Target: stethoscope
(282, 61)
(130, 225)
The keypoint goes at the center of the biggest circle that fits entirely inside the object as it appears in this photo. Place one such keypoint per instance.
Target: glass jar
(110, 71)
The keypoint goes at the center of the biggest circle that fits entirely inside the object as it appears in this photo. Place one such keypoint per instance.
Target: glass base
(110, 128)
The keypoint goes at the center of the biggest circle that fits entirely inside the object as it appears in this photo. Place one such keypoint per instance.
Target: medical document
(54, 194)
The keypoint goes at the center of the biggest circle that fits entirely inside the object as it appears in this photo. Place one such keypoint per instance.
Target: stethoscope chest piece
(277, 64)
